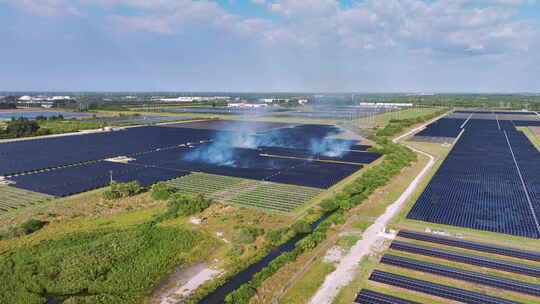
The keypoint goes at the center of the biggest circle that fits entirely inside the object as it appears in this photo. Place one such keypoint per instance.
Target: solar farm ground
(401, 270)
(245, 192)
(75, 164)
(488, 181)
(12, 198)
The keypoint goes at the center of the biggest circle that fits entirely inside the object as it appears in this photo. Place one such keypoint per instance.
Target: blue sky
(270, 45)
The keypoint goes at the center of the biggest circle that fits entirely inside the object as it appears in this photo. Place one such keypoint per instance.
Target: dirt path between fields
(346, 269)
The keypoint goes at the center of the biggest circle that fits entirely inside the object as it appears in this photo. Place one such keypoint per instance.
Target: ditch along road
(345, 271)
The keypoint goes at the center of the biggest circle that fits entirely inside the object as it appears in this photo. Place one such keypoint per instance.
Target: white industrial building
(194, 98)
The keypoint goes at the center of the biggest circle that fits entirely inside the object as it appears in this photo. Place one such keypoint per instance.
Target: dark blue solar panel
(344, 156)
(478, 185)
(77, 179)
(494, 112)
(444, 127)
(247, 163)
(29, 155)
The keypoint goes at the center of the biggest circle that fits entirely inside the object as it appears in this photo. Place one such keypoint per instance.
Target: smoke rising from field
(228, 148)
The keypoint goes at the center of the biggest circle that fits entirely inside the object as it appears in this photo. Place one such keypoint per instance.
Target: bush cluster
(22, 127)
(180, 204)
(161, 191)
(119, 190)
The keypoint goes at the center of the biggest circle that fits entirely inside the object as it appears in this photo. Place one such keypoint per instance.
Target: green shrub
(120, 190)
(301, 227)
(274, 237)
(184, 205)
(329, 205)
(161, 191)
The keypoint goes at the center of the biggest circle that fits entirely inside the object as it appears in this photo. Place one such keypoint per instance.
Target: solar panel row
(29, 155)
(366, 296)
(466, 258)
(494, 112)
(444, 127)
(482, 247)
(345, 156)
(77, 179)
(439, 290)
(462, 274)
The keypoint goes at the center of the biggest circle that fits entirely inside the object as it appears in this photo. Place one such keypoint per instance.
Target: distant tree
(19, 127)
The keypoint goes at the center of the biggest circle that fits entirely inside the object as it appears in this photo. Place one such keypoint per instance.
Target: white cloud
(49, 8)
(443, 26)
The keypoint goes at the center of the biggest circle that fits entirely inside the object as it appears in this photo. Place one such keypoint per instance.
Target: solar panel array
(160, 156)
(366, 296)
(444, 127)
(466, 258)
(29, 155)
(478, 186)
(435, 289)
(247, 163)
(482, 247)
(77, 179)
(462, 274)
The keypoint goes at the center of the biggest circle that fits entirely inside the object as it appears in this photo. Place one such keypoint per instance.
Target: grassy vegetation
(382, 119)
(531, 136)
(106, 266)
(309, 283)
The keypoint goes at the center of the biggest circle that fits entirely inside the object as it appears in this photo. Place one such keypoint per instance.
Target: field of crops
(12, 198)
(246, 192)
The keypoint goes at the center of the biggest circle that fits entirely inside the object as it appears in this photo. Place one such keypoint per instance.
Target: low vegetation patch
(28, 227)
(107, 266)
(121, 190)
